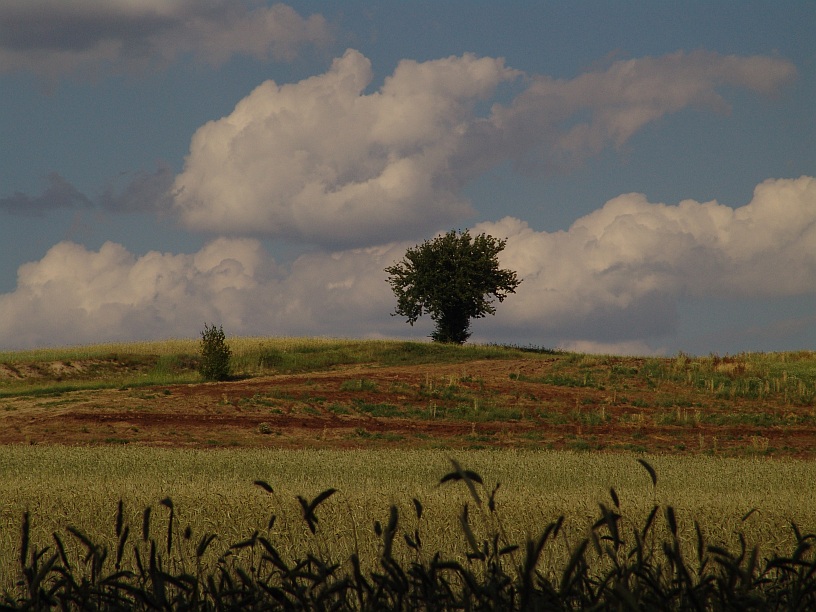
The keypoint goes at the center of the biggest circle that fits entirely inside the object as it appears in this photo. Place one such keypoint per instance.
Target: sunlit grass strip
(303, 354)
(243, 347)
(175, 361)
(100, 351)
(213, 493)
(178, 346)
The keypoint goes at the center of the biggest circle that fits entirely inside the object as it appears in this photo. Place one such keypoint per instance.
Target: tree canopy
(453, 278)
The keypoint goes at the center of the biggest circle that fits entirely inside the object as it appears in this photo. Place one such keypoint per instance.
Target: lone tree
(451, 278)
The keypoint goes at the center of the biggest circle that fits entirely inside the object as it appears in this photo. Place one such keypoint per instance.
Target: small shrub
(264, 428)
(215, 354)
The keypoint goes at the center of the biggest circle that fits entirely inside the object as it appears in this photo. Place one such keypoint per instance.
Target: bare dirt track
(490, 403)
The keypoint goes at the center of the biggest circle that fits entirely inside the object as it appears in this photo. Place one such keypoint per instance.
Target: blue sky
(169, 163)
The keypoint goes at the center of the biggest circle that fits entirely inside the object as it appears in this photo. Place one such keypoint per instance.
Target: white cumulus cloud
(619, 273)
(612, 282)
(52, 38)
(321, 160)
(75, 295)
(325, 161)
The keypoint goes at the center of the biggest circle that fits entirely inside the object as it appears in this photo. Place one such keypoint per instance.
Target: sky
(256, 165)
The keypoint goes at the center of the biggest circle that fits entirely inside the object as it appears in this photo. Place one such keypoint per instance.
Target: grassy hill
(291, 392)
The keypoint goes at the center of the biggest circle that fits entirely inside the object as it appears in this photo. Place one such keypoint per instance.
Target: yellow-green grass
(133, 364)
(213, 492)
(242, 347)
(787, 377)
(97, 351)
(791, 375)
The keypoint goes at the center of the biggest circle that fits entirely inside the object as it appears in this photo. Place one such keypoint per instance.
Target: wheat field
(213, 493)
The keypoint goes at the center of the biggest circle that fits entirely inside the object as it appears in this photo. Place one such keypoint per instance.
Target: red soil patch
(474, 404)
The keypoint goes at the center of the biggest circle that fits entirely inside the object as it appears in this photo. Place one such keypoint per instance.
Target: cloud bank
(320, 160)
(611, 282)
(325, 161)
(618, 274)
(52, 38)
(75, 295)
